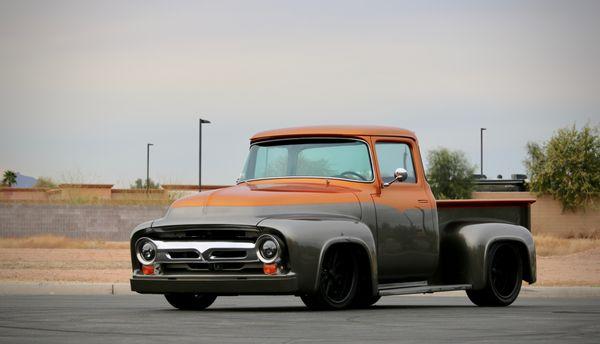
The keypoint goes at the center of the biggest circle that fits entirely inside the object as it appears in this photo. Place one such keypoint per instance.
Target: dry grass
(553, 246)
(53, 241)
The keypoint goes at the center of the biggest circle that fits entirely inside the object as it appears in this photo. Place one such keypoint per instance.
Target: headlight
(145, 250)
(268, 248)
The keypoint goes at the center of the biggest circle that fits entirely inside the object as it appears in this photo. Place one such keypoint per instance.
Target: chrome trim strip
(202, 246)
(213, 277)
(423, 290)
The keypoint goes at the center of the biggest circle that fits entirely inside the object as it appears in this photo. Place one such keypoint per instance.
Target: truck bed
(515, 211)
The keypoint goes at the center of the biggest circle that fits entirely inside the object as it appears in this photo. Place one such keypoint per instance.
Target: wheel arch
(308, 240)
(464, 251)
(365, 260)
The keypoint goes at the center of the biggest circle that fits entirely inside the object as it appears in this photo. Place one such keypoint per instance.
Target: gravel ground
(113, 266)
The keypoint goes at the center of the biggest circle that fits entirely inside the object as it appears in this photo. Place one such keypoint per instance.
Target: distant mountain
(24, 181)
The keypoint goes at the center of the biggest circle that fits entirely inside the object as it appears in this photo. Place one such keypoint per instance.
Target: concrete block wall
(86, 193)
(93, 222)
(24, 194)
(138, 195)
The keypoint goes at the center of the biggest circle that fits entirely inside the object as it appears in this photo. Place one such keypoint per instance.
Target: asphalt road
(282, 319)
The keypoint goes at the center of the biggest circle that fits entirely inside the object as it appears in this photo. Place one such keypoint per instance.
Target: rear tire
(504, 276)
(338, 281)
(185, 301)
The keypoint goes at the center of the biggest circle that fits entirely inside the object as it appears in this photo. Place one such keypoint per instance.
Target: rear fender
(464, 251)
(308, 239)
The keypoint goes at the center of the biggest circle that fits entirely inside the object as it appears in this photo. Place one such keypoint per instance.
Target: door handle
(423, 201)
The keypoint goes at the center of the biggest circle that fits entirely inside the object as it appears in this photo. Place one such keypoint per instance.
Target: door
(407, 240)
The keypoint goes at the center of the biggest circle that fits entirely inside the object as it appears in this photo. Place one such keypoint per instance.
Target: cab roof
(333, 130)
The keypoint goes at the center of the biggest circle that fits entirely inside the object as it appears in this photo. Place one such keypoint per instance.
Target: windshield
(330, 158)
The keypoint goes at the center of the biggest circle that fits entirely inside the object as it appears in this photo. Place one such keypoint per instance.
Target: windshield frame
(373, 177)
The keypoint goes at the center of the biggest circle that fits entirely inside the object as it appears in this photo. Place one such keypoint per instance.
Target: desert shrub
(43, 182)
(141, 184)
(449, 174)
(567, 167)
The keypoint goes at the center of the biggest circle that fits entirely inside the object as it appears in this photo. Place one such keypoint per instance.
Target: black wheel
(338, 281)
(504, 277)
(186, 301)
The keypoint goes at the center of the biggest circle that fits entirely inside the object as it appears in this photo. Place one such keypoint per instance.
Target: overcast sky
(85, 85)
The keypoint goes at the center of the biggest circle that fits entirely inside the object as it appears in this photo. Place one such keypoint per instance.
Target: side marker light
(148, 269)
(270, 269)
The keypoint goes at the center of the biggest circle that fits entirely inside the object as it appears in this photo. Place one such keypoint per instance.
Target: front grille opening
(216, 266)
(211, 268)
(228, 254)
(198, 266)
(187, 234)
(183, 254)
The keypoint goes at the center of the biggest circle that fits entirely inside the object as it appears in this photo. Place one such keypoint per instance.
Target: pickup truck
(339, 216)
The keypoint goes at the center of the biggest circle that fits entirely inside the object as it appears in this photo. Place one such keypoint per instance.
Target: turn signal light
(148, 269)
(270, 269)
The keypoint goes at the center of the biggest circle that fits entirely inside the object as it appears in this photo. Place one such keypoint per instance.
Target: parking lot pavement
(283, 319)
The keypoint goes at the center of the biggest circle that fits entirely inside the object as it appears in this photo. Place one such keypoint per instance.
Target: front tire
(338, 281)
(365, 301)
(504, 277)
(185, 301)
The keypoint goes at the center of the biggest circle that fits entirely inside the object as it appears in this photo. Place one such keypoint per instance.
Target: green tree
(449, 174)
(567, 167)
(141, 184)
(43, 182)
(9, 178)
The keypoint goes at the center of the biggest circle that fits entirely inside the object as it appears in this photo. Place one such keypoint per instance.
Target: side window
(393, 155)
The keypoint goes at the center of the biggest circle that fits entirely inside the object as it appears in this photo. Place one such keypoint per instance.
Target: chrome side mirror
(400, 175)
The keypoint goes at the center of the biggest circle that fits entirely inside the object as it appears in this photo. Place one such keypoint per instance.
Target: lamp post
(200, 122)
(148, 167)
(481, 148)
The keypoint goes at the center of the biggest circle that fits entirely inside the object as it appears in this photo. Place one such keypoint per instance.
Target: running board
(427, 289)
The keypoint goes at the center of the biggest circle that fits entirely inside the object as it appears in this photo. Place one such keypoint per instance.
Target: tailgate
(515, 211)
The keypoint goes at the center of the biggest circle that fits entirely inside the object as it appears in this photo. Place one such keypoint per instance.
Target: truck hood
(249, 204)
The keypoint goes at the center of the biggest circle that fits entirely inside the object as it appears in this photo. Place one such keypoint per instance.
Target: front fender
(307, 240)
(464, 251)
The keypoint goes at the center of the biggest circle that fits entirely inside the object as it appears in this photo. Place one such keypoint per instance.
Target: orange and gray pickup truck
(340, 216)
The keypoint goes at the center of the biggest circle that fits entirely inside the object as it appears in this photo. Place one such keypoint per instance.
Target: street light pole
(481, 148)
(148, 167)
(200, 122)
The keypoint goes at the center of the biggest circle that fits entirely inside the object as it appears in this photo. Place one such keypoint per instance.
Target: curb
(560, 292)
(52, 288)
